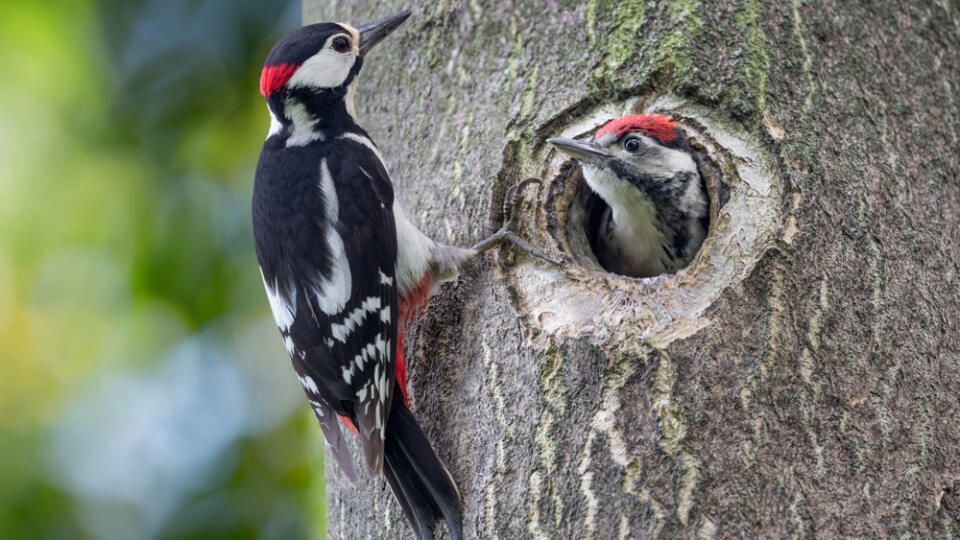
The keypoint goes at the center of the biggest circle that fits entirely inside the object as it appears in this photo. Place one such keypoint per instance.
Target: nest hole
(586, 210)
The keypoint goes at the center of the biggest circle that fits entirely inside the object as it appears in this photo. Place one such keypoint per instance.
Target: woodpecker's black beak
(374, 31)
(583, 150)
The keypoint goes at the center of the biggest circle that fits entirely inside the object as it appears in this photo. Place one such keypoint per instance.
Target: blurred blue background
(144, 391)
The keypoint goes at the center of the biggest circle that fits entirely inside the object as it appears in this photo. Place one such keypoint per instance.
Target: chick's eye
(341, 44)
(631, 145)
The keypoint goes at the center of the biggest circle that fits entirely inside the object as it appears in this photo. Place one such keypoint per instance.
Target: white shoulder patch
(334, 290)
(331, 203)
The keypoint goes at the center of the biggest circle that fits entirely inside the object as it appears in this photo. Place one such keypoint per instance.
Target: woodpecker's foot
(506, 233)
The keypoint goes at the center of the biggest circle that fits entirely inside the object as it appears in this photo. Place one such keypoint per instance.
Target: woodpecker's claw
(506, 234)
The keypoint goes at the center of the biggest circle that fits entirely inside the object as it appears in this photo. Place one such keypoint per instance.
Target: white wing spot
(385, 279)
(308, 383)
(382, 386)
(283, 312)
(385, 315)
(381, 346)
(317, 407)
(351, 321)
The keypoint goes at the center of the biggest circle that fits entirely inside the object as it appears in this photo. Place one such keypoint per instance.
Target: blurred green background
(144, 391)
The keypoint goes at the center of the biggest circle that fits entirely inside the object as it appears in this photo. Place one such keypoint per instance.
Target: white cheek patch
(694, 200)
(325, 69)
(676, 160)
(659, 161)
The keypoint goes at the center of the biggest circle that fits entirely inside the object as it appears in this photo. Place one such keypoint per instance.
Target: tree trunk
(800, 378)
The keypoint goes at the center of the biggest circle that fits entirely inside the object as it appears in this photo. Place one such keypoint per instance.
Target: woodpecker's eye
(632, 144)
(341, 44)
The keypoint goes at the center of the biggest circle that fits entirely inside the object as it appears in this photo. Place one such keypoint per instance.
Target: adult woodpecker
(657, 206)
(342, 264)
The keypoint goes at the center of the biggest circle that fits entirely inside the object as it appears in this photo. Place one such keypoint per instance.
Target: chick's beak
(372, 32)
(586, 151)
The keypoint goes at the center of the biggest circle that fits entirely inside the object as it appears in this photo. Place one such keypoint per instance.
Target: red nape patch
(349, 423)
(657, 126)
(272, 78)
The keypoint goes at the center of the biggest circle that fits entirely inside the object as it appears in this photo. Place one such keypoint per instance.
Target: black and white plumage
(326, 236)
(657, 210)
(334, 300)
(343, 266)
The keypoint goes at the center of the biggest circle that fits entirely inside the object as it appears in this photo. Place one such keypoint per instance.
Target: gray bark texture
(800, 379)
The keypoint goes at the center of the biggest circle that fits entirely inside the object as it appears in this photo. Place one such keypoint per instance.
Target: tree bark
(800, 378)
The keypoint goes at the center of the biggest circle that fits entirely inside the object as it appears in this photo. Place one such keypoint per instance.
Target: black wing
(354, 304)
(326, 240)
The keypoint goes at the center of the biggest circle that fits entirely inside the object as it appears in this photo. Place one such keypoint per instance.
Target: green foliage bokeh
(132, 315)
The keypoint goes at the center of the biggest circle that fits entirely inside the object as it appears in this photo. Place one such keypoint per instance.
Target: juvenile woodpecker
(657, 206)
(343, 266)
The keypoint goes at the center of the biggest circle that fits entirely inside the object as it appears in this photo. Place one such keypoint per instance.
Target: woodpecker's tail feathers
(371, 431)
(422, 484)
(330, 425)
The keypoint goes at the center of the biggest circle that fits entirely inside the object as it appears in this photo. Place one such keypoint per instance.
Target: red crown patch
(657, 126)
